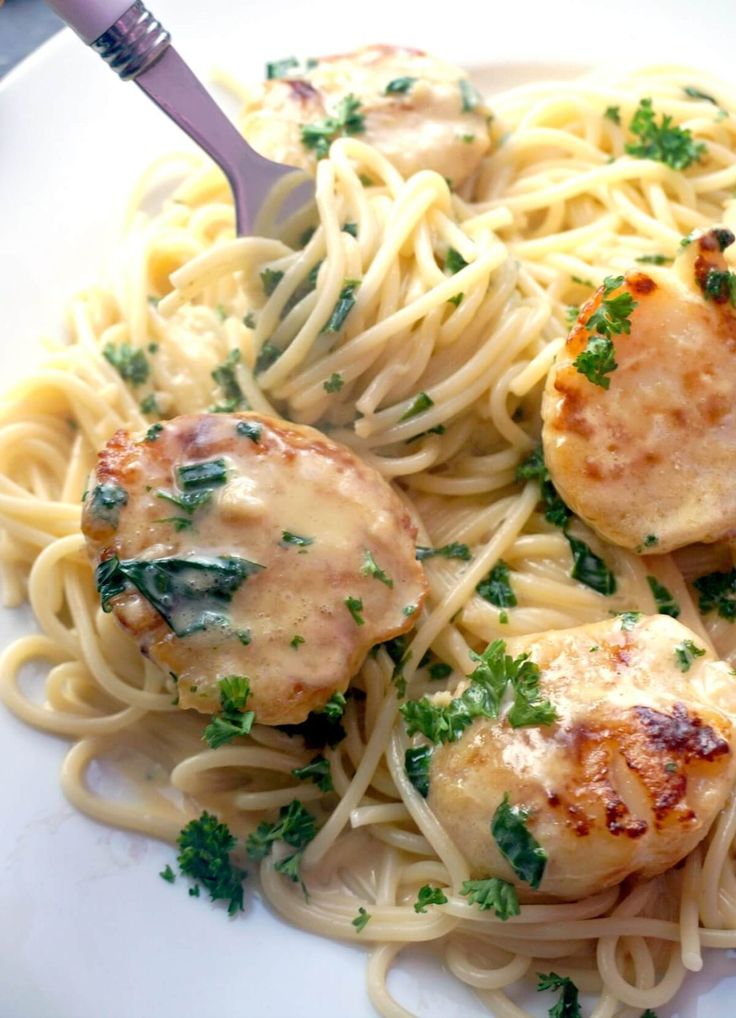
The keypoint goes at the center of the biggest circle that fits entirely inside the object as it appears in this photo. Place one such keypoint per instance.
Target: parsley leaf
(361, 920)
(666, 604)
(454, 550)
(454, 261)
(590, 569)
(654, 259)
(108, 499)
(343, 307)
(168, 874)
(295, 827)
(297, 540)
(270, 279)
(534, 466)
(399, 86)
(597, 360)
(717, 592)
(334, 708)
(629, 620)
(318, 771)
(296, 640)
(496, 588)
(371, 568)
(234, 720)
(416, 765)
(148, 404)
(334, 383)
(280, 68)
(268, 355)
(439, 670)
(429, 896)
(567, 1006)
(129, 362)
(154, 431)
(347, 120)
(493, 893)
(355, 606)
(685, 654)
(471, 97)
(248, 429)
(662, 142)
(225, 375)
(517, 845)
(195, 476)
(719, 286)
(418, 405)
(204, 855)
(613, 113)
(695, 93)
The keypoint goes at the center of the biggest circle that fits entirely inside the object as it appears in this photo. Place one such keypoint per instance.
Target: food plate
(88, 927)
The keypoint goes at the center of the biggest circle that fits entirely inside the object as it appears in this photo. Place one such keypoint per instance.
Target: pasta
(555, 207)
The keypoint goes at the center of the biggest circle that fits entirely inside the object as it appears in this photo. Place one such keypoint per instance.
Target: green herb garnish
(666, 604)
(343, 307)
(108, 499)
(685, 654)
(471, 97)
(664, 142)
(454, 261)
(371, 568)
(453, 550)
(287, 538)
(361, 920)
(129, 362)
(318, 771)
(518, 846)
(248, 429)
(348, 120)
(590, 569)
(206, 475)
(399, 86)
(204, 855)
(234, 719)
(493, 893)
(334, 383)
(270, 279)
(416, 765)
(496, 588)
(429, 896)
(567, 1006)
(280, 68)
(717, 592)
(355, 606)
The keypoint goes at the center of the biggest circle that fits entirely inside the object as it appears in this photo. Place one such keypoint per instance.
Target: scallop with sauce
(649, 461)
(629, 778)
(420, 112)
(236, 544)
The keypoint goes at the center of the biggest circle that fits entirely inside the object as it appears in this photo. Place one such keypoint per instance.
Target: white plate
(87, 928)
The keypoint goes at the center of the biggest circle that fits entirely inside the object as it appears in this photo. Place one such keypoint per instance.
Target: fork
(138, 48)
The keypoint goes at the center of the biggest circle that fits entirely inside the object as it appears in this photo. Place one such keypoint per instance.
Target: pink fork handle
(90, 18)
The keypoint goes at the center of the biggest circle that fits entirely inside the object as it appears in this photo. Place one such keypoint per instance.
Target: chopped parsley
(153, 432)
(188, 593)
(268, 355)
(295, 827)
(496, 588)
(399, 86)
(628, 620)
(348, 120)
(351, 228)
(343, 307)
(248, 429)
(454, 261)
(280, 68)
(270, 279)
(148, 404)
(130, 363)
(493, 893)
(590, 569)
(429, 896)
(361, 920)
(568, 1005)
(196, 476)
(517, 845)
(296, 641)
(694, 93)
(611, 318)
(685, 654)
(249, 321)
(371, 568)
(494, 671)
(334, 383)
(654, 259)
(108, 499)
(439, 670)
(334, 708)
(225, 375)
(416, 765)
(168, 874)
(717, 592)
(234, 719)
(355, 606)
(571, 313)
(204, 855)
(664, 142)
(453, 550)
(666, 604)
(719, 286)
(471, 97)
(318, 771)
(296, 540)
(613, 113)
(534, 467)
(456, 300)
(188, 501)
(650, 541)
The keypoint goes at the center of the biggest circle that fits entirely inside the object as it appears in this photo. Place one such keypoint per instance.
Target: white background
(87, 928)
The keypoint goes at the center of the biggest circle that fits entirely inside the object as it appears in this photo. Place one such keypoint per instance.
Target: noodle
(556, 201)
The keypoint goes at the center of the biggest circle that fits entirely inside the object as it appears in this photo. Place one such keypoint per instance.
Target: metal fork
(138, 48)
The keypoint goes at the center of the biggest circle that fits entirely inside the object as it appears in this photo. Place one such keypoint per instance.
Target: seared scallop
(237, 544)
(420, 112)
(646, 454)
(627, 780)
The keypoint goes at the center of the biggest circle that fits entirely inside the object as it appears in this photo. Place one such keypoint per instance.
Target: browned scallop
(629, 778)
(420, 112)
(237, 544)
(649, 462)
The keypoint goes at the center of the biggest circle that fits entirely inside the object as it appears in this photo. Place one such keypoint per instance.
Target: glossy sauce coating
(304, 509)
(423, 128)
(627, 781)
(649, 462)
